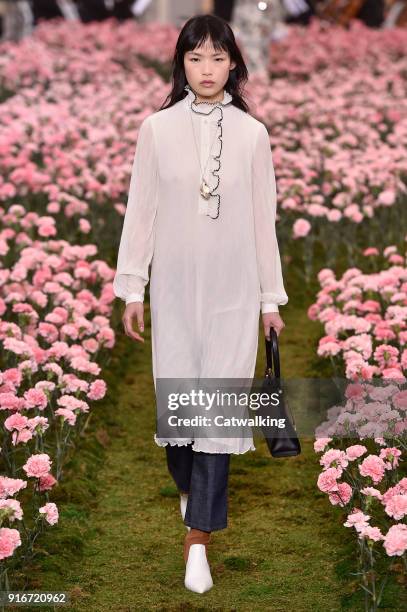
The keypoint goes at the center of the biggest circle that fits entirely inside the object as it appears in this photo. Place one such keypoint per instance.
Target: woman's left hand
(272, 319)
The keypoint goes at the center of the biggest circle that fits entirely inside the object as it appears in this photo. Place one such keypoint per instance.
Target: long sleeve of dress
(264, 207)
(138, 233)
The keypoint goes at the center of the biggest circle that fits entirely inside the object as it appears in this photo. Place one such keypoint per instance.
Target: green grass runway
(118, 545)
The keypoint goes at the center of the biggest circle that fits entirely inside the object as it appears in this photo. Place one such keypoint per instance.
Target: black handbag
(284, 442)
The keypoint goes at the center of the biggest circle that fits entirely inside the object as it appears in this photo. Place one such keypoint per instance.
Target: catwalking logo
(222, 421)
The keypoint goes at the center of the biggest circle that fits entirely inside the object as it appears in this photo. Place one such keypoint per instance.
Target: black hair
(193, 34)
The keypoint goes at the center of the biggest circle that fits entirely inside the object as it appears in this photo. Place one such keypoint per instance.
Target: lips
(207, 82)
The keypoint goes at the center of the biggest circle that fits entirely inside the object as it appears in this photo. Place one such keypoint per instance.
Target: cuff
(134, 297)
(269, 308)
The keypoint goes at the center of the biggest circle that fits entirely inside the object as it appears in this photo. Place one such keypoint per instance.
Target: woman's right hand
(134, 310)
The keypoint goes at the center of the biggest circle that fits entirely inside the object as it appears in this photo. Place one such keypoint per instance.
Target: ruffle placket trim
(211, 207)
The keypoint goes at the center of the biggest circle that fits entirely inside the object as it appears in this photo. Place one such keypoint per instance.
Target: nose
(207, 70)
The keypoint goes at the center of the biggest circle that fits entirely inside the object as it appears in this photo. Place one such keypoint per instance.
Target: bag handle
(272, 354)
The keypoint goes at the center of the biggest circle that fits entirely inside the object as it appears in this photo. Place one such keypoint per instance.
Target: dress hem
(161, 442)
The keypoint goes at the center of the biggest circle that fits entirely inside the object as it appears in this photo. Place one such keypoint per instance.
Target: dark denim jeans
(204, 476)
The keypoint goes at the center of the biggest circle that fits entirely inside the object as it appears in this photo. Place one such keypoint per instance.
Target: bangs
(198, 38)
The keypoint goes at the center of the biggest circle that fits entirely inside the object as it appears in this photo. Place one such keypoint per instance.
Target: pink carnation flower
(355, 451)
(386, 355)
(342, 496)
(10, 401)
(372, 492)
(11, 486)
(397, 489)
(334, 458)
(301, 228)
(400, 400)
(355, 391)
(395, 541)
(392, 455)
(9, 540)
(35, 398)
(51, 513)
(396, 506)
(37, 465)
(387, 197)
(97, 389)
(14, 508)
(47, 482)
(357, 519)
(22, 436)
(371, 533)
(373, 467)
(370, 251)
(321, 443)
(16, 421)
(327, 480)
(68, 415)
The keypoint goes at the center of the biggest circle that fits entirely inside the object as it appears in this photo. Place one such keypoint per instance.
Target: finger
(135, 336)
(129, 331)
(276, 327)
(279, 329)
(140, 320)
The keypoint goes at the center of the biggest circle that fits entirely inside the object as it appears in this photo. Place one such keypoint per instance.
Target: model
(201, 209)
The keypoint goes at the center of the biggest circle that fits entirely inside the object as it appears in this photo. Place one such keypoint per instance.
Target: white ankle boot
(197, 572)
(183, 505)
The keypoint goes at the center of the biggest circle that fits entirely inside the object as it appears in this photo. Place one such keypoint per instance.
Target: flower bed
(55, 307)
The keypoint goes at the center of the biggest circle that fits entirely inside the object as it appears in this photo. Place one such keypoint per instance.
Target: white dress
(213, 262)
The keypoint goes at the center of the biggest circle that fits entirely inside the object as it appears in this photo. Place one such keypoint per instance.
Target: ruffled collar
(205, 107)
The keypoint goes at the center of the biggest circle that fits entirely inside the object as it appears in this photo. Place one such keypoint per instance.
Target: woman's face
(206, 64)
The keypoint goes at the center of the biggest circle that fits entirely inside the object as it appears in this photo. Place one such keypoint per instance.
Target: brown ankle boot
(196, 536)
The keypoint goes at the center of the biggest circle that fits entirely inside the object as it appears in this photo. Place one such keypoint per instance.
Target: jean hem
(207, 528)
